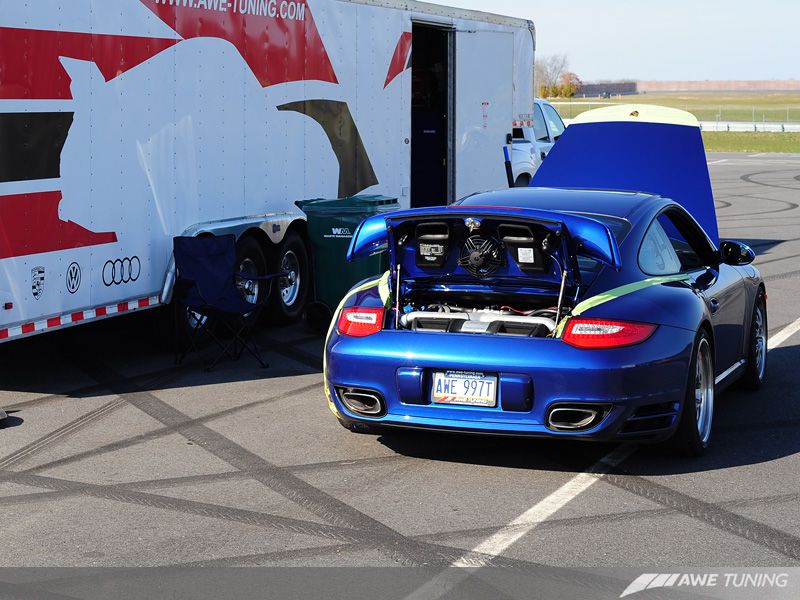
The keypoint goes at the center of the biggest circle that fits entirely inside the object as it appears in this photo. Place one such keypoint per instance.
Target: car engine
(490, 320)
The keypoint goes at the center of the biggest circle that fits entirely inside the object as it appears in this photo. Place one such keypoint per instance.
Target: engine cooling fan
(481, 257)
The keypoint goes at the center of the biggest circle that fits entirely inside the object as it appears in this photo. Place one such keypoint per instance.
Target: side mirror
(736, 253)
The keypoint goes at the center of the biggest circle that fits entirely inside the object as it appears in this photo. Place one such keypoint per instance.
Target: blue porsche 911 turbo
(558, 310)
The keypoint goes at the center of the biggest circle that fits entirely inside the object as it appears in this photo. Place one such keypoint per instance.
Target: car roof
(602, 202)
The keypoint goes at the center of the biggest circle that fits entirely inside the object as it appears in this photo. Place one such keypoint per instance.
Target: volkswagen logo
(121, 270)
(73, 277)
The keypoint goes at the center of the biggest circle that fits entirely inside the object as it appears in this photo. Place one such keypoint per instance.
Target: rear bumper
(642, 386)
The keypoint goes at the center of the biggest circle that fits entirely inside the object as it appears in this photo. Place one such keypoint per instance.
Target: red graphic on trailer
(21, 48)
(279, 40)
(401, 58)
(31, 225)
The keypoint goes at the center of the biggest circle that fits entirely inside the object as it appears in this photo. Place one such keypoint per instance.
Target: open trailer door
(484, 109)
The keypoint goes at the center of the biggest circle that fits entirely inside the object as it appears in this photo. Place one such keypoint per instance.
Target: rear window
(554, 121)
(539, 127)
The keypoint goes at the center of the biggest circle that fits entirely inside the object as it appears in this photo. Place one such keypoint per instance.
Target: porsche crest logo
(37, 282)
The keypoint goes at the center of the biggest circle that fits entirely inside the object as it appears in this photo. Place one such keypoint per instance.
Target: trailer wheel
(290, 294)
(250, 259)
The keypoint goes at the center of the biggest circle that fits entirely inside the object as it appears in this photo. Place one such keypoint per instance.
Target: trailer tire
(290, 293)
(250, 259)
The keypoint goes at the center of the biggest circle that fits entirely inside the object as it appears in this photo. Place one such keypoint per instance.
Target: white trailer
(124, 123)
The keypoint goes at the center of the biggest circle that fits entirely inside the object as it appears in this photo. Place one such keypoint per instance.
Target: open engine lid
(638, 148)
(572, 236)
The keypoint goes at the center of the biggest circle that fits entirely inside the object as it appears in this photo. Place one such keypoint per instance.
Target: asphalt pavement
(112, 456)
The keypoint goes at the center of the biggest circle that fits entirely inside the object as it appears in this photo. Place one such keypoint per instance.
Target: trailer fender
(274, 226)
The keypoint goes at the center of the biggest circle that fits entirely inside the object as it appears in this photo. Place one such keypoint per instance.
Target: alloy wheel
(290, 284)
(704, 391)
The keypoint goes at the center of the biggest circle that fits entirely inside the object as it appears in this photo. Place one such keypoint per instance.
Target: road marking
(717, 162)
(783, 335)
(504, 538)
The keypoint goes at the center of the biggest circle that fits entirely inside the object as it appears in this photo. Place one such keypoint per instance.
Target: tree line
(554, 79)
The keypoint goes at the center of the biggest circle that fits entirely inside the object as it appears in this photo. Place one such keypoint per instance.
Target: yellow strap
(615, 293)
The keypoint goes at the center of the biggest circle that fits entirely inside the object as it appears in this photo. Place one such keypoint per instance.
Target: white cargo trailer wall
(150, 117)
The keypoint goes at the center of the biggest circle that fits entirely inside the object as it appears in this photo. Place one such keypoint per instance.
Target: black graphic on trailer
(37, 282)
(121, 270)
(355, 168)
(73, 277)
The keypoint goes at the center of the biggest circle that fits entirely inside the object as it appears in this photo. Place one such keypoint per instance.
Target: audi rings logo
(121, 270)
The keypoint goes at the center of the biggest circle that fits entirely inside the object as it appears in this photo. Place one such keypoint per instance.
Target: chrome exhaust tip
(575, 417)
(368, 403)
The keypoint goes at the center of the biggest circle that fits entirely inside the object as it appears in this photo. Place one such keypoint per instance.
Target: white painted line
(756, 155)
(783, 335)
(718, 162)
(500, 541)
(505, 537)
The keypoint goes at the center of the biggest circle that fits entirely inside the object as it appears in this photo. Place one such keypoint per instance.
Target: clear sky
(663, 39)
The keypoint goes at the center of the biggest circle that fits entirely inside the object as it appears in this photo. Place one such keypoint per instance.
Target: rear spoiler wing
(590, 237)
(638, 148)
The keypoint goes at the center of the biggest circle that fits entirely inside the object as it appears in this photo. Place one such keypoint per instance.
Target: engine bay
(478, 248)
(502, 320)
(479, 275)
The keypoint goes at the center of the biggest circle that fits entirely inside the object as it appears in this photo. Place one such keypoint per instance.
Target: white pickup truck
(532, 140)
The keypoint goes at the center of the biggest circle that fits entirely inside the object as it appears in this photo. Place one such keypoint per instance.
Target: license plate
(464, 387)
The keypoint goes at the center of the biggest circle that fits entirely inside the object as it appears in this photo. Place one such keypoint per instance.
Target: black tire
(756, 371)
(250, 259)
(292, 256)
(688, 439)
(524, 180)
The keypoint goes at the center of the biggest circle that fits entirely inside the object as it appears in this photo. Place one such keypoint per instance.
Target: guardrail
(746, 126)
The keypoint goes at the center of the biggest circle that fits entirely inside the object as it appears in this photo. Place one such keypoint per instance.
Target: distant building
(616, 88)
(612, 88)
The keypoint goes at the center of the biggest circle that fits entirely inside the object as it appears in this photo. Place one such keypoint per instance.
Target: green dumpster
(331, 225)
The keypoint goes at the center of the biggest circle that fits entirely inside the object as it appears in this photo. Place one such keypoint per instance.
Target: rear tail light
(604, 333)
(359, 321)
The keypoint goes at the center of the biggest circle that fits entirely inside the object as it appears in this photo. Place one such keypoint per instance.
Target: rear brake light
(359, 321)
(603, 333)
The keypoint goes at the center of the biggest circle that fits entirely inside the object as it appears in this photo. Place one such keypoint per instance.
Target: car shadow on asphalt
(750, 427)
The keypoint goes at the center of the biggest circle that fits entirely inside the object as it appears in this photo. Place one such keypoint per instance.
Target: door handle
(713, 305)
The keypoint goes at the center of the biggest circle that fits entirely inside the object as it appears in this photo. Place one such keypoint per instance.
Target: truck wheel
(250, 259)
(290, 294)
(694, 428)
(523, 180)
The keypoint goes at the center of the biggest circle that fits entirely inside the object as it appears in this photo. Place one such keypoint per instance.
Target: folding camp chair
(208, 293)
